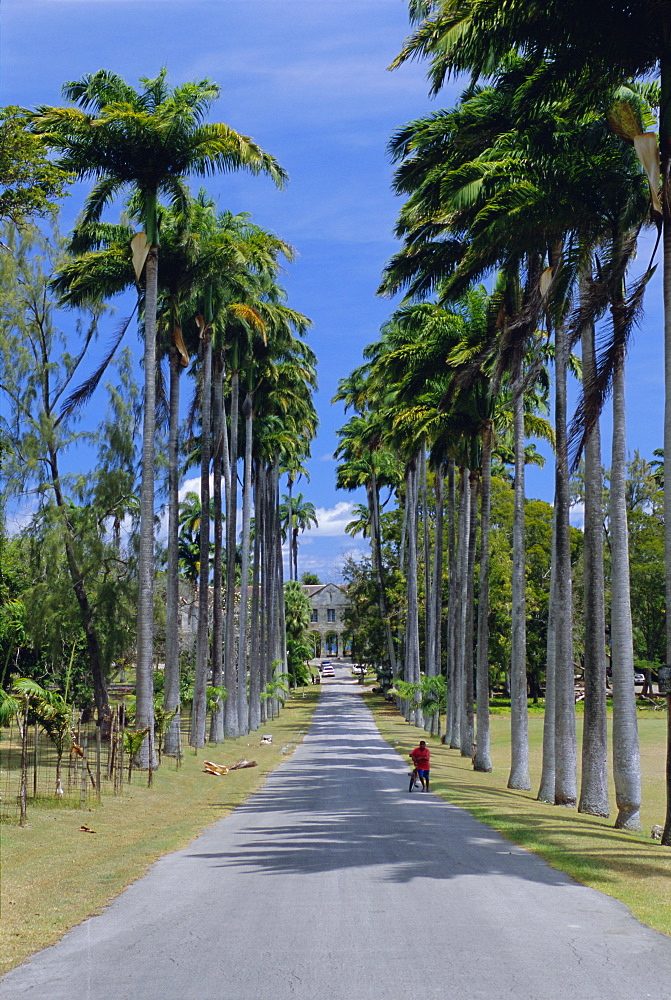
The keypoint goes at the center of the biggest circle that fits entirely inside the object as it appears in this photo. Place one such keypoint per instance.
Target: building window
(330, 614)
(314, 617)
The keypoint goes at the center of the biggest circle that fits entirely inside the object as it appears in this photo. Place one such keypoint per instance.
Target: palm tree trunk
(271, 587)
(243, 707)
(436, 587)
(626, 757)
(565, 738)
(231, 722)
(429, 635)
(406, 658)
(171, 699)
(460, 607)
(519, 723)
(450, 628)
(437, 593)
(281, 640)
(199, 709)
(412, 674)
(261, 527)
(290, 519)
(401, 628)
(144, 679)
(468, 717)
(483, 760)
(546, 792)
(278, 635)
(294, 538)
(594, 781)
(219, 436)
(403, 544)
(665, 150)
(376, 544)
(256, 617)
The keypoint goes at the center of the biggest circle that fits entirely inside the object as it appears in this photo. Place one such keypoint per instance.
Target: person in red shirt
(421, 758)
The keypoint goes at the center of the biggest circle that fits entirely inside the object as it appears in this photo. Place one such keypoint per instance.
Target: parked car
(638, 677)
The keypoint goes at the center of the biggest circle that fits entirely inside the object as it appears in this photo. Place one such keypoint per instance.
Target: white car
(327, 670)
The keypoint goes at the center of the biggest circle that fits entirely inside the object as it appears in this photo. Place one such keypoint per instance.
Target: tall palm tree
(148, 141)
(279, 423)
(594, 784)
(462, 172)
(626, 761)
(281, 373)
(609, 371)
(245, 328)
(233, 252)
(577, 56)
(469, 183)
(196, 249)
(297, 515)
(366, 462)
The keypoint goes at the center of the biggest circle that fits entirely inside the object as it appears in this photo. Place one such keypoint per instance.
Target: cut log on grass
(238, 766)
(210, 768)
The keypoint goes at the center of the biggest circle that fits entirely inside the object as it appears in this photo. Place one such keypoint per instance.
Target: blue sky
(308, 80)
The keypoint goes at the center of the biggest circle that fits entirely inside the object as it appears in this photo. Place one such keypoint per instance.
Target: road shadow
(342, 802)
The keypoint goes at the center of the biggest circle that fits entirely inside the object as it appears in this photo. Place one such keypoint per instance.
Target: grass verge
(630, 867)
(54, 875)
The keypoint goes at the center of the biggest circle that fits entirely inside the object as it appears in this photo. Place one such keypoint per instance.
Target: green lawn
(54, 874)
(630, 867)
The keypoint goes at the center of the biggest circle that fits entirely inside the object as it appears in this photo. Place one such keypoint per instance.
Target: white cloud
(577, 515)
(333, 520)
(192, 486)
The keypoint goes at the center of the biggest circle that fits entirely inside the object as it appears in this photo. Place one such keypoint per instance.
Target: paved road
(333, 883)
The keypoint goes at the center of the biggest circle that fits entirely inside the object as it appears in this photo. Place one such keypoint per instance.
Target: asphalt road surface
(333, 883)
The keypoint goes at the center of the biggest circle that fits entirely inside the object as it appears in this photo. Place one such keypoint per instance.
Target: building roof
(314, 588)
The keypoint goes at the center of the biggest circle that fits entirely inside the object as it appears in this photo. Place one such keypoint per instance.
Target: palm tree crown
(148, 140)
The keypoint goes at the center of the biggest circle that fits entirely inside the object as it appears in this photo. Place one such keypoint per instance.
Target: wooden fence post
(84, 775)
(35, 752)
(122, 730)
(98, 751)
(24, 769)
(150, 737)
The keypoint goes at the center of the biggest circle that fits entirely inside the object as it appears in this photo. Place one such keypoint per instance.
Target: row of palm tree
(545, 195)
(577, 64)
(215, 296)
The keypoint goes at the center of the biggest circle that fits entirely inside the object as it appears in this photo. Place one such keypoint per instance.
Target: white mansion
(328, 601)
